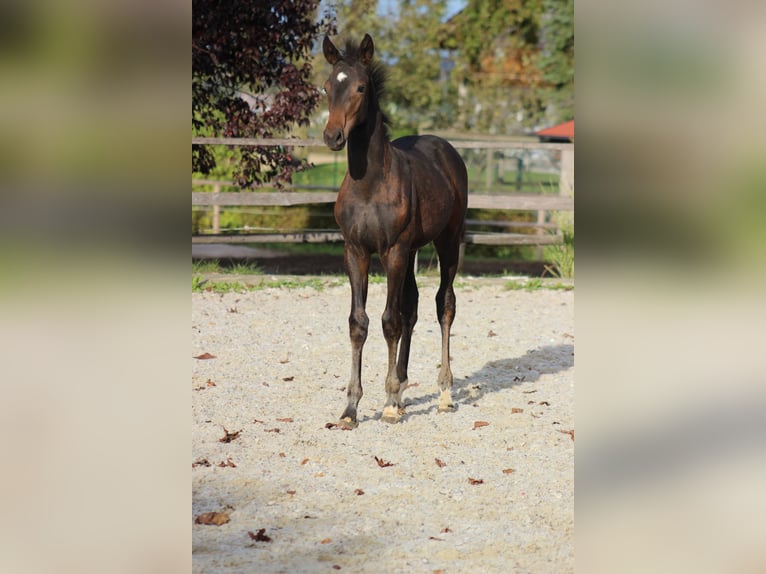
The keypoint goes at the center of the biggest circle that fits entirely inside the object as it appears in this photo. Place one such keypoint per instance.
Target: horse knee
(445, 306)
(392, 325)
(358, 323)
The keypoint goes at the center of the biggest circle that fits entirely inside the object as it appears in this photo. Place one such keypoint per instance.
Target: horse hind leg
(448, 250)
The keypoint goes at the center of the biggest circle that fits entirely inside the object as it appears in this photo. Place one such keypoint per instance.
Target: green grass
(201, 285)
(214, 266)
(326, 174)
(331, 175)
(536, 284)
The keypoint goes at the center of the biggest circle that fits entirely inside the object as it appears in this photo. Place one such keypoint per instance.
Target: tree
(557, 58)
(515, 62)
(251, 77)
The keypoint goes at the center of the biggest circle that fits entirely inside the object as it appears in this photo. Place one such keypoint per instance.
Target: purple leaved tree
(251, 77)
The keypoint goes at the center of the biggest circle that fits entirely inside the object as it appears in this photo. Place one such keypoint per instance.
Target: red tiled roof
(565, 130)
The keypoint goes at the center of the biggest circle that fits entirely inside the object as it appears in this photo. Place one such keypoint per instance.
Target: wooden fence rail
(457, 144)
(542, 204)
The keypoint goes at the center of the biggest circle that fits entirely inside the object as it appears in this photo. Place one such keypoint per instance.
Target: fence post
(216, 209)
(489, 168)
(566, 179)
(540, 221)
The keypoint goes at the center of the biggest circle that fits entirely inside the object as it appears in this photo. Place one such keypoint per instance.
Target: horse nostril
(334, 139)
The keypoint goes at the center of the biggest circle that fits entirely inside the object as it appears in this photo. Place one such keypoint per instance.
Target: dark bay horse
(396, 197)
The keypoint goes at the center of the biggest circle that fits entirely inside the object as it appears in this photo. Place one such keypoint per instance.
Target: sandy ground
(456, 496)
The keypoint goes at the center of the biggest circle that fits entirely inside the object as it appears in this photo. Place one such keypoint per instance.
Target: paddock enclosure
(487, 488)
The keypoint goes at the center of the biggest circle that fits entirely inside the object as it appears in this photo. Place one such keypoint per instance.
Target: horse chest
(374, 224)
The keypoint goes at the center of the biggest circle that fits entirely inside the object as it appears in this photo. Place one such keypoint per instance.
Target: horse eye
(360, 89)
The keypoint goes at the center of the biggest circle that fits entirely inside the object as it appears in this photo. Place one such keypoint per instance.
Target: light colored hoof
(445, 403)
(391, 415)
(346, 422)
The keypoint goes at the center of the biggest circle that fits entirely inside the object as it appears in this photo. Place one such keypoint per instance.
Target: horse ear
(331, 53)
(366, 49)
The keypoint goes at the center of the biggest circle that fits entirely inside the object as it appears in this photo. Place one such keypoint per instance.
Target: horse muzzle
(334, 138)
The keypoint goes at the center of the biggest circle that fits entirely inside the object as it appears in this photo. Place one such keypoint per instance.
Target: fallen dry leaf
(382, 463)
(475, 480)
(491, 334)
(271, 430)
(435, 538)
(509, 470)
(336, 566)
(259, 536)
(229, 436)
(544, 403)
(228, 462)
(282, 455)
(516, 410)
(359, 492)
(204, 356)
(258, 422)
(336, 426)
(215, 518)
(446, 529)
(210, 383)
(479, 424)
(304, 461)
(439, 463)
(569, 432)
(291, 492)
(325, 541)
(288, 379)
(285, 420)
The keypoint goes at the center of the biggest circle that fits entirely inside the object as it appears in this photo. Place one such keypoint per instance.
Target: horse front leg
(357, 266)
(395, 263)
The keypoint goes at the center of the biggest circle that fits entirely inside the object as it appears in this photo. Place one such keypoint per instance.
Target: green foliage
(557, 58)
(561, 256)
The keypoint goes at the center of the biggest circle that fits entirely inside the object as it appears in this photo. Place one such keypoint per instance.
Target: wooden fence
(544, 231)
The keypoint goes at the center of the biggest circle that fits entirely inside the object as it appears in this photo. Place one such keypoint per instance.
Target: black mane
(377, 72)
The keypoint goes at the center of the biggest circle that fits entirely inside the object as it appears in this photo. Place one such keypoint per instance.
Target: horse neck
(367, 146)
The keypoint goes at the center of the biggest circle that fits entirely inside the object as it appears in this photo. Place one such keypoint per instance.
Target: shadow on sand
(498, 376)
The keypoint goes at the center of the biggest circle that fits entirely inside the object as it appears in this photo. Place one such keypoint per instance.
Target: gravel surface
(436, 492)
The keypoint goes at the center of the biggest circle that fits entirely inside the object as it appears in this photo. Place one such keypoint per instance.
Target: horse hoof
(391, 415)
(346, 422)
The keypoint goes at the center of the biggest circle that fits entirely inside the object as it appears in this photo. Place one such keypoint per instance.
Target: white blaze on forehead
(341, 76)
